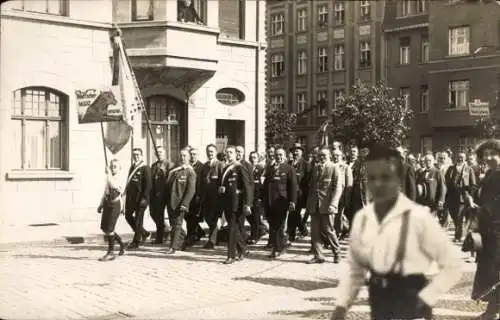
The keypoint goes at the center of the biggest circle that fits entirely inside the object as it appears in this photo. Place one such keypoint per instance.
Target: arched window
(39, 129)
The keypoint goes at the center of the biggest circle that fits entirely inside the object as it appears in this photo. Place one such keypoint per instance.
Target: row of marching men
(234, 189)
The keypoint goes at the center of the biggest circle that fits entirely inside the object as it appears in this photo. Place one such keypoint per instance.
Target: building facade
(202, 80)
(443, 55)
(316, 52)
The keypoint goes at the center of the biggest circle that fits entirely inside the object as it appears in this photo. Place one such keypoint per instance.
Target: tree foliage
(280, 125)
(371, 113)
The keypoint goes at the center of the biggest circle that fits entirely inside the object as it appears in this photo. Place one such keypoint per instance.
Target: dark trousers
(322, 226)
(295, 221)
(457, 215)
(157, 212)
(277, 218)
(193, 227)
(255, 220)
(135, 219)
(176, 217)
(211, 217)
(236, 241)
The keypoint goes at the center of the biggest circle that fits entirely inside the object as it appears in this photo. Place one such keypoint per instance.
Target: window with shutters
(39, 129)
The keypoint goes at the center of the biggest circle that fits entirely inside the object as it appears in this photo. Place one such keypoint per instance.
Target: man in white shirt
(396, 241)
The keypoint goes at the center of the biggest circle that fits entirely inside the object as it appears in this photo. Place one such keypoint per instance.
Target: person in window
(488, 259)
(187, 12)
(396, 241)
(111, 206)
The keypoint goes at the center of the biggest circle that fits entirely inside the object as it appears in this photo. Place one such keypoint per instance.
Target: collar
(402, 204)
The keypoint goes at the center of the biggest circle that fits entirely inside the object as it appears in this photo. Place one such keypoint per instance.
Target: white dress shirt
(374, 247)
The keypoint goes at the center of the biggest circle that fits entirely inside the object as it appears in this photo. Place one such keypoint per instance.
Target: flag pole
(139, 95)
(104, 149)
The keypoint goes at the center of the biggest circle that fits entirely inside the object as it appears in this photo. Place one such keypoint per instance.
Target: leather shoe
(229, 261)
(336, 258)
(243, 254)
(171, 251)
(133, 245)
(274, 254)
(315, 260)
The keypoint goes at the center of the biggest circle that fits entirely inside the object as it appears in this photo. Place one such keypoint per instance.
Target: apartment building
(443, 55)
(316, 51)
(200, 66)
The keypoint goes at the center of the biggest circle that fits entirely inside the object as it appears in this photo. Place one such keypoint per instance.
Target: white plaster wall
(65, 58)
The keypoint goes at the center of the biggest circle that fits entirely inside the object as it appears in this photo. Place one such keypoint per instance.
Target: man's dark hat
(297, 146)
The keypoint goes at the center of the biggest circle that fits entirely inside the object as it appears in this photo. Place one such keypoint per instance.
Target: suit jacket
(327, 183)
(280, 183)
(236, 180)
(181, 187)
(138, 189)
(459, 183)
(159, 172)
(408, 183)
(258, 190)
(209, 178)
(359, 193)
(302, 171)
(346, 172)
(433, 186)
(248, 166)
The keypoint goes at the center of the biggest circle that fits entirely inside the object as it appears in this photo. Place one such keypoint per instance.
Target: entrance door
(229, 132)
(165, 115)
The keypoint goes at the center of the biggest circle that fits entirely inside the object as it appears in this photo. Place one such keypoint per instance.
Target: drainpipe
(257, 56)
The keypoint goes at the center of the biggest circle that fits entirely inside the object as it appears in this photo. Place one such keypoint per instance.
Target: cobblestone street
(67, 281)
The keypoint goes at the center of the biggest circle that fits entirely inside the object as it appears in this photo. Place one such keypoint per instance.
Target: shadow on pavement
(303, 285)
(43, 256)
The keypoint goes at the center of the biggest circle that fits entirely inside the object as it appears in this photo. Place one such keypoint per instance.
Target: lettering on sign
(99, 105)
(479, 109)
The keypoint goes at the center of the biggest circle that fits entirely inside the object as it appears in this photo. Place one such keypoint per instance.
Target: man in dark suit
(280, 190)
(408, 183)
(431, 187)
(193, 217)
(138, 191)
(255, 219)
(159, 172)
(325, 191)
(270, 162)
(240, 157)
(302, 169)
(359, 196)
(181, 187)
(209, 194)
(236, 199)
(460, 183)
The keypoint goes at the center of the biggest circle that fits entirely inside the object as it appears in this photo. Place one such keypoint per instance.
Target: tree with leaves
(280, 125)
(371, 114)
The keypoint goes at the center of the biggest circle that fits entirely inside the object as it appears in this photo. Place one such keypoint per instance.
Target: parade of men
(250, 159)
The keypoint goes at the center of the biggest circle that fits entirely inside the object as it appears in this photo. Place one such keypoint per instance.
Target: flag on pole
(118, 133)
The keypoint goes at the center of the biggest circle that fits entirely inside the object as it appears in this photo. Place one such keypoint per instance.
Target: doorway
(229, 132)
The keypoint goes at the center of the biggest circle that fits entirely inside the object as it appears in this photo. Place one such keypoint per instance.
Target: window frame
(405, 92)
(365, 54)
(404, 52)
(62, 120)
(301, 62)
(339, 57)
(322, 95)
(150, 11)
(339, 12)
(454, 48)
(337, 93)
(364, 5)
(424, 49)
(278, 65)
(322, 59)
(301, 101)
(302, 19)
(424, 99)
(322, 15)
(277, 101)
(454, 91)
(277, 22)
(64, 8)
(424, 143)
